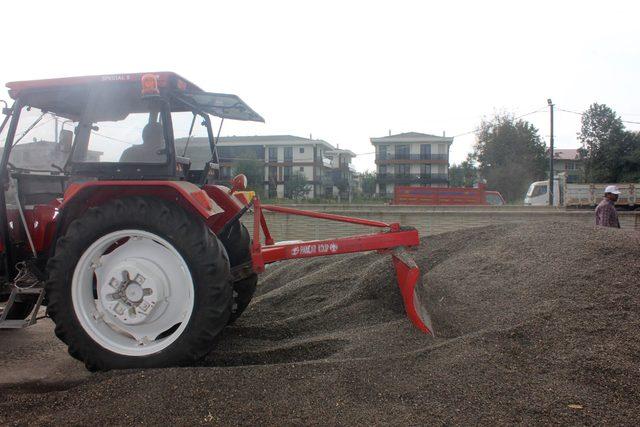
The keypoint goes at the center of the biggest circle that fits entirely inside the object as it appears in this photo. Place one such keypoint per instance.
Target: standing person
(606, 214)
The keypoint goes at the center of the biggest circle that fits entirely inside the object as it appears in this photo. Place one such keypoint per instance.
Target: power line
(112, 138)
(515, 118)
(582, 114)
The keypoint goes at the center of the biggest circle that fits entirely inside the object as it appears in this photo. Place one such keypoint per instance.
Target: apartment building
(411, 158)
(282, 156)
(342, 173)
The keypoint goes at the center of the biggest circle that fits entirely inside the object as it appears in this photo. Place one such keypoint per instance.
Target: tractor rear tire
(109, 323)
(237, 242)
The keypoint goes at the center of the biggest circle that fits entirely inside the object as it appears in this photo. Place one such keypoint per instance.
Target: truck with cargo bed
(585, 196)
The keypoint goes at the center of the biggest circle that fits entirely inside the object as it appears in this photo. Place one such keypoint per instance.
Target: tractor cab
(120, 127)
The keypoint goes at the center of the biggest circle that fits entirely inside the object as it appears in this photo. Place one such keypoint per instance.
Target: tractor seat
(142, 154)
(152, 149)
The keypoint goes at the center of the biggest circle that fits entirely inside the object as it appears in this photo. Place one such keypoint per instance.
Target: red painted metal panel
(408, 275)
(191, 193)
(345, 245)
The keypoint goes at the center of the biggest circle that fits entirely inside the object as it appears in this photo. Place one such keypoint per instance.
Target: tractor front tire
(138, 283)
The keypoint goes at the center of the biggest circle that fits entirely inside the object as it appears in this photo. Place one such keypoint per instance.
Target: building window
(382, 152)
(382, 171)
(301, 169)
(402, 152)
(402, 170)
(273, 154)
(425, 171)
(288, 154)
(287, 172)
(301, 150)
(273, 174)
(425, 151)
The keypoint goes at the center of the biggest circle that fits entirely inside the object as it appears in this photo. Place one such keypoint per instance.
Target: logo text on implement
(313, 249)
(116, 78)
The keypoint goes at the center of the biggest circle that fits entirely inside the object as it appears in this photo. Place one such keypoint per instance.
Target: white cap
(611, 189)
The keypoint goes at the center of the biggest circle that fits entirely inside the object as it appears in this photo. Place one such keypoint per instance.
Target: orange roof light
(150, 85)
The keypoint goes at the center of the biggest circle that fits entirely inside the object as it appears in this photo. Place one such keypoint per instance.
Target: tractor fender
(81, 196)
(93, 193)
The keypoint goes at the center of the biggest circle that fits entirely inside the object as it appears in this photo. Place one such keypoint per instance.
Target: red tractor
(139, 260)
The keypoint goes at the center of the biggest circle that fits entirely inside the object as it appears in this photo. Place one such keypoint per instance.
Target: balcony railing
(403, 156)
(228, 159)
(436, 178)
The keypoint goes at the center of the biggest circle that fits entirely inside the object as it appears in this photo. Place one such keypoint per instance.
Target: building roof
(412, 137)
(230, 141)
(340, 151)
(566, 154)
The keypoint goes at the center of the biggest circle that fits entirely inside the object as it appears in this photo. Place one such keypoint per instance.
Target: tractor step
(31, 318)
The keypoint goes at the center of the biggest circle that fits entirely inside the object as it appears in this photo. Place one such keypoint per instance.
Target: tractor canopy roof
(121, 94)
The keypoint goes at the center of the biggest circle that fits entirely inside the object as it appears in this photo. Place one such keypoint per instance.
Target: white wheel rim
(145, 293)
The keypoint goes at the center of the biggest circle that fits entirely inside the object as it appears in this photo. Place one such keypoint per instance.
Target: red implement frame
(396, 239)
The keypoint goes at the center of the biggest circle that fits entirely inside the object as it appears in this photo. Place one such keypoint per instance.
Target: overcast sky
(347, 71)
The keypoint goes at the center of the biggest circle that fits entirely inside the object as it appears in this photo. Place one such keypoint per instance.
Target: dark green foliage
(463, 175)
(610, 153)
(253, 169)
(631, 158)
(296, 186)
(510, 155)
(368, 183)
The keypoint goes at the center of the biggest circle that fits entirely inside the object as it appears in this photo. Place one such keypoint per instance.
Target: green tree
(510, 155)
(296, 186)
(463, 175)
(609, 152)
(631, 158)
(248, 164)
(368, 180)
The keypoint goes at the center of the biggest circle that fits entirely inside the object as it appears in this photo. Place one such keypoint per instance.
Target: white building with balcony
(411, 158)
(282, 155)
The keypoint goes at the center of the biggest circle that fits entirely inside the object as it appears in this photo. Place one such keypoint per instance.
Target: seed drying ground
(535, 323)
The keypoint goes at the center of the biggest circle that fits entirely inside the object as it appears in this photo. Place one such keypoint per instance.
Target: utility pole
(551, 154)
